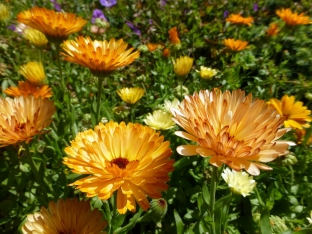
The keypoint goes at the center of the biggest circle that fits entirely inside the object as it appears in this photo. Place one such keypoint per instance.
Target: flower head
(131, 159)
(235, 45)
(207, 73)
(166, 53)
(134, 29)
(183, 65)
(57, 26)
(33, 72)
(296, 115)
(26, 88)
(153, 46)
(301, 135)
(238, 181)
(171, 104)
(174, 37)
(98, 14)
(56, 5)
(4, 12)
(272, 30)
(22, 118)
(108, 3)
(238, 19)
(100, 57)
(35, 37)
(69, 216)
(131, 95)
(232, 128)
(159, 120)
(292, 19)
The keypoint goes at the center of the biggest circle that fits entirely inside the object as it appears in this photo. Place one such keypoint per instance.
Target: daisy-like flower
(69, 216)
(232, 128)
(130, 95)
(207, 73)
(131, 159)
(174, 37)
(171, 104)
(25, 88)
(182, 65)
(100, 57)
(296, 114)
(35, 37)
(159, 120)
(4, 12)
(235, 45)
(153, 46)
(22, 118)
(33, 72)
(272, 30)
(300, 133)
(238, 181)
(57, 26)
(292, 19)
(238, 19)
(166, 53)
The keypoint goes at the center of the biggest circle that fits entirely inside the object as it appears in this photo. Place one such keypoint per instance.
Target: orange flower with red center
(291, 18)
(131, 159)
(238, 19)
(26, 88)
(231, 128)
(235, 45)
(174, 37)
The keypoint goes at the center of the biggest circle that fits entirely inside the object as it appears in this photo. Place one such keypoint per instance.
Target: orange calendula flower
(272, 30)
(100, 57)
(296, 115)
(69, 216)
(26, 88)
(57, 26)
(231, 128)
(22, 118)
(238, 19)
(166, 53)
(174, 37)
(235, 45)
(131, 159)
(153, 46)
(291, 18)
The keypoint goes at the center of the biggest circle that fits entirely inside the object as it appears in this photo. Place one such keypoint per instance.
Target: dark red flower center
(120, 162)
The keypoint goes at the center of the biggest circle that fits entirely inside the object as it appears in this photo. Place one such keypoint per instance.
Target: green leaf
(119, 219)
(183, 162)
(206, 194)
(179, 223)
(265, 225)
(221, 212)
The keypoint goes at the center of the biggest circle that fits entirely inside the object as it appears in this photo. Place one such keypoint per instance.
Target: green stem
(291, 175)
(98, 101)
(131, 225)
(113, 202)
(258, 197)
(40, 55)
(213, 188)
(59, 65)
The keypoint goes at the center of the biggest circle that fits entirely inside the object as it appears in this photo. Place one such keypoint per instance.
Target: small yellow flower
(33, 72)
(207, 73)
(238, 181)
(235, 45)
(291, 18)
(37, 38)
(4, 12)
(183, 65)
(130, 95)
(238, 19)
(272, 30)
(296, 115)
(159, 120)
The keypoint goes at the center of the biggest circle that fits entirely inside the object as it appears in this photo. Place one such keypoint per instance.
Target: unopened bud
(290, 159)
(142, 48)
(159, 208)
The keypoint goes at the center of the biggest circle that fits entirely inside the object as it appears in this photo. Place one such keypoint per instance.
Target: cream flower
(159, 120)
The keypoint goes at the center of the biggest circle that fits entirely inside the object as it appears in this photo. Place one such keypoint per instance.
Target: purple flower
(226, 14)
(108, 3)
(134, 29)
(12, 27)
(163, 3)
(255, 7)
(150, 21)
(56, 5)
(98, 14)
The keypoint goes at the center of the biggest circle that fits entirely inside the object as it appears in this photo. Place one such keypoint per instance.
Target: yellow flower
(183, 65)
(296, 115)
(131, 159)
(4, 12)
(238, 19)
(171, 104)
(235, 45)
(33, 72)
(69, 216)
(292, 19)
(239, 182)
(22, 118)
(174, 37)
(37, 38)
(159, 120)
(207, 73)
(100, 57)
(301, 136)
(130, 95)
(231, 128)
(57, 26)
(272, 30)
(25, 88)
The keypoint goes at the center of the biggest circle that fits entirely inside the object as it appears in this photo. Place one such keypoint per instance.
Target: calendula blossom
(33, 72)
(295, 113)
(238, 19)
(159, 120)
(174, 37)
(171, 104)
(292, 19)
(69, 216)
(4, 12)
(35, 37)
(231, 129)
(130, 159)
(272, 30)
(131, 95)
(25, 88)
(235, 45)
(182, 65)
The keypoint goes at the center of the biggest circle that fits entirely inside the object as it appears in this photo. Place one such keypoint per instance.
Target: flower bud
(290, 159)
(159, 208)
